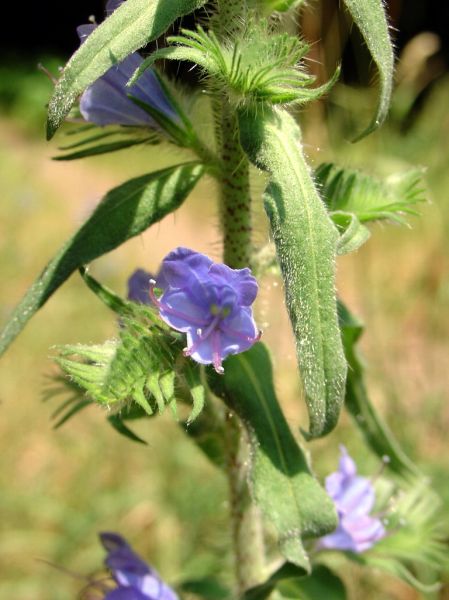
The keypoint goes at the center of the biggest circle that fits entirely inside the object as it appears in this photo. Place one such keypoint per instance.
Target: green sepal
(125, 211)
(306, 243)
(259, 67)
(118, 424)
(416, 540)
(281, 481)
(130, 27)
(370, 198)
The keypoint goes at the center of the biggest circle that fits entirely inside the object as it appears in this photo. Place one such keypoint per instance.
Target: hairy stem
(235, 195)
(236, 223)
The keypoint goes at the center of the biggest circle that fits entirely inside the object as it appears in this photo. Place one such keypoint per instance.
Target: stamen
(206, 333)
(216, 353)
(241, 336)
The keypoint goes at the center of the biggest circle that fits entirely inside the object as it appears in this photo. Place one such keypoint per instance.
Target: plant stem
(246, 524)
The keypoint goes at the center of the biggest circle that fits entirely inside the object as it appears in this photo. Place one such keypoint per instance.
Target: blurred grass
(58, 488)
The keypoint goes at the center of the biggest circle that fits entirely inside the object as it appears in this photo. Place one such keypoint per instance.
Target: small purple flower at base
(107, 102)
(354, 499)
(139, 286)
(208, 301)
(135, 579)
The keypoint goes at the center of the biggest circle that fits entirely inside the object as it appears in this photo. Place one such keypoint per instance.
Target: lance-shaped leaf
(280, 478)
(376, 432)
(370, 18)
(132, 25)
(306, 244)
(124, 212)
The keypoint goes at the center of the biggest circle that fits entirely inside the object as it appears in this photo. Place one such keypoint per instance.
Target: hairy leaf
(370, 18)
(281, 481)
(306, 243)
(353, 233)
(290, 583)
(105, 148)
(376, 432)
(131, 26)
(287, 571)
(370, 198)
(124, 212)
(321, 583)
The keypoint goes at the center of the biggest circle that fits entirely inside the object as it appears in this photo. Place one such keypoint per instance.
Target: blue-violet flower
(208, 301)
(107, 101)
(354, 499)
(139, 286)
(135, 579)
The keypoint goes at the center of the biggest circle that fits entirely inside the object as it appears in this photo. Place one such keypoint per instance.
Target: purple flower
(209, 302)
(354, 499)
(139, 286)
(135, 579)
(107, 101)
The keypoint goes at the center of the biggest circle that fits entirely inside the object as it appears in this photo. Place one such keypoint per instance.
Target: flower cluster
(354, 499)
(208, 301)
(107, 101)
(134, 578)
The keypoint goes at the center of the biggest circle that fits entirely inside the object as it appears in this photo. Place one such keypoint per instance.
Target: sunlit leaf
(306, 243)
(280, 478)
(369, 198)
(130, 27)
(370, 18)
(376, 432)
(124, 212)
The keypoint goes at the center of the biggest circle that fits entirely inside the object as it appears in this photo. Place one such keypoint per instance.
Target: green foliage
(417, 542)
(370, 18)
(278, 5)
(131, 26)
(290, 584)
(131, 368)
(306, 243)
(124, 212)
(280, 478)
(376, 432)
(353, 233)
(122, 138)
(368, 198)
(257, 67)
(321, 583)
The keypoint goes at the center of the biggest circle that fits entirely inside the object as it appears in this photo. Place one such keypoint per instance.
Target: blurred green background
(59, 488)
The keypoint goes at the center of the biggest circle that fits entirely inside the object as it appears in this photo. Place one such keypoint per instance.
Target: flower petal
(241, 280)
(139, 286)
(125, 593)
(179, 266)
(179, 311)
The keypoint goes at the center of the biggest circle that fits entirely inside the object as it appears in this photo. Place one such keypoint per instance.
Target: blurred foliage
(60, 488)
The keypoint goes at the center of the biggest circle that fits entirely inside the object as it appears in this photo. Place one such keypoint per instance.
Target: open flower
(208, 301)
(134, 578)
(107, 101)
(354, 499)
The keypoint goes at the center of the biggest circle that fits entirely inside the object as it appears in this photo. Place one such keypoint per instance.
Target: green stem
(235, 195)
(236, 223)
